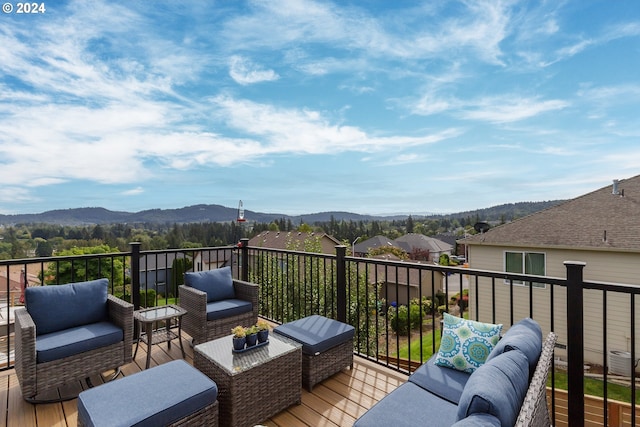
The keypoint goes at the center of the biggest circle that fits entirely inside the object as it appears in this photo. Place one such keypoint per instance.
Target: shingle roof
(419, 241)
(292, 240)
(374, 242)
(597, 220)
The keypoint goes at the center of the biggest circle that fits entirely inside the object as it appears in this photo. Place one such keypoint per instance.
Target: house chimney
(615, 190)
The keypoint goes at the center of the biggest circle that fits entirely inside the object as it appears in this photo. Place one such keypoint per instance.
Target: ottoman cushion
(158, 396)
(316, 333)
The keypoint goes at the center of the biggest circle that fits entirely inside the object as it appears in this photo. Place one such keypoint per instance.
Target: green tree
(178, 268)
(44, 248)
(86, 268)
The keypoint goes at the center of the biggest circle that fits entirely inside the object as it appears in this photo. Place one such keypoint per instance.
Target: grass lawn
(594, 387)
(427, 346)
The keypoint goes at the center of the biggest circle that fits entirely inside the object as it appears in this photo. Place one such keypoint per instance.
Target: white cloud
(244, 72)
(133, 192)
(509, 109)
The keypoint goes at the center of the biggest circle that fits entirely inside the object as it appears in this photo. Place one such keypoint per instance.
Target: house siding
(613, 267)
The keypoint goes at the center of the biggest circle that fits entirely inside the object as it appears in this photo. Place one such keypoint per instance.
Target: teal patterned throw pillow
(466, 344)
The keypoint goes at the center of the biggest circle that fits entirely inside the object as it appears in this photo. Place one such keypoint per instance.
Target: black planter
(252, 340)
(263, 335)
(238, 343)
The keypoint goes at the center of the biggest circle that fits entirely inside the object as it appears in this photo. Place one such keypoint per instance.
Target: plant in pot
(239, 337)
(263, 330)
(252, 335)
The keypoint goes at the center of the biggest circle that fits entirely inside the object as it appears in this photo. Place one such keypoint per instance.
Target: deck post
(575, 343)
(135, 274)
(341, 283)
(244, 259)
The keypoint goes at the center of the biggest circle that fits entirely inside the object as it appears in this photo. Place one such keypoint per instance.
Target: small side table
(148, 316)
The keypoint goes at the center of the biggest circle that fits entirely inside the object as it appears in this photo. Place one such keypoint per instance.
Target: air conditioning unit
(620, 363)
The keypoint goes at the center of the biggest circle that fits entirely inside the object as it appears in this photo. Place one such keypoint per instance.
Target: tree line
(44, 240)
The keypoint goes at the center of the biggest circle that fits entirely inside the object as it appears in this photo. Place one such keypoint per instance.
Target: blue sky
(304, 106)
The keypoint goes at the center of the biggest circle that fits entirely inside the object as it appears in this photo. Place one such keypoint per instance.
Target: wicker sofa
(70, 332)
(509, 389)
(215, 303)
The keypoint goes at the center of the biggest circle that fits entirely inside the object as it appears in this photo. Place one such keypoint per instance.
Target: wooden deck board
(336, 402)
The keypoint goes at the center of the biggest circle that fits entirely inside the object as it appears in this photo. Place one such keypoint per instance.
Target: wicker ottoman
(327, 346)
(172, 394)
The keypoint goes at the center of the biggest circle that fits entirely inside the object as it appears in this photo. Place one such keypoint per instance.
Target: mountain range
(218, 213)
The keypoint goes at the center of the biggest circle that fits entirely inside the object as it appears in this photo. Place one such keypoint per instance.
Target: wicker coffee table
(255, 384)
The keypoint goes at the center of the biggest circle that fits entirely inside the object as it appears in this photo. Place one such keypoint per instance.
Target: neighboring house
(408, 243)
(295, 241)
(600, 228)
(156, 270)
(414, 241)
(394, 281)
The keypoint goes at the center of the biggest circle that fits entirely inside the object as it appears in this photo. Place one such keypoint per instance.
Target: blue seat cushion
(227, 308)
(526, 336)
(68, 342)
(478, 420)
(158, 396)
(57, 307)
(444, 382)
(317, 334)
(217, 283)
(497, 388)
(409, 405)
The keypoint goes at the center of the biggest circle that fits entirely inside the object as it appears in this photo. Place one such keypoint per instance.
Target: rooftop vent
(616, 190)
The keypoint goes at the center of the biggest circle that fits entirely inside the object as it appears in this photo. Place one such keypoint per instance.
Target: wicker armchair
(38, 372)
(199, 321)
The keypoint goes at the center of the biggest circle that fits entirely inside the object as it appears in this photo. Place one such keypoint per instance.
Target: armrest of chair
(194, 301)
(248, 292)
(25, 350)
(121, 314)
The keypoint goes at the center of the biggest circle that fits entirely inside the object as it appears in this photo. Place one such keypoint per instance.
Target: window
(525, 263)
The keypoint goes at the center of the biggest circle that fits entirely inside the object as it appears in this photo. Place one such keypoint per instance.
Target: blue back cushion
(217, 283)
(525, 336)
(57, 307)
(497, 388)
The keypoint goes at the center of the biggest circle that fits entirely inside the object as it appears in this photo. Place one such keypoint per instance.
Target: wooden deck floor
(338, 401)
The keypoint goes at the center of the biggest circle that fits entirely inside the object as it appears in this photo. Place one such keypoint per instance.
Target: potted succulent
(263, 330)
(239, 337)
(252, 335)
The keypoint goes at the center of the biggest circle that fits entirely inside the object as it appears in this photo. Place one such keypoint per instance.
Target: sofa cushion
(478, 420)
(525, 336)
(465, 344)
(227, 308)
(68, 342)
(409, 405)
(443, 382)
(217, 283)
(158, 396)
(498, 388)
(57, 307)
(316, 333)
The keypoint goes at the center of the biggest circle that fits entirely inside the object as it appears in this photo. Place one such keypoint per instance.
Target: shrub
(397, 317)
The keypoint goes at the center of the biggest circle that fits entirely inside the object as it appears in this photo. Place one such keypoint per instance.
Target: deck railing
(376, 295)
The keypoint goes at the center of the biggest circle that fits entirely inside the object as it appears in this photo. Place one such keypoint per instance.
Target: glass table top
(159, 313)
(220, 352)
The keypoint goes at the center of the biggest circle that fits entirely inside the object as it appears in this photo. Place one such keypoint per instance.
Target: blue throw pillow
(498, 388)
(466, 344)
(217, 283)
(58, 307)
